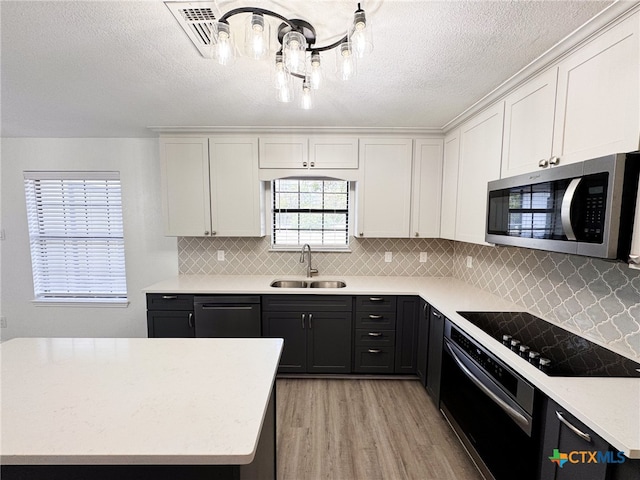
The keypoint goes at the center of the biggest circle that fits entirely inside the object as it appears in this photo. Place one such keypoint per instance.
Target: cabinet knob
(304, 164)
(417, 234)
(206, 232)
(543, 163)
(554, 161)
(361, 234)
(313, 164)
(213, 233)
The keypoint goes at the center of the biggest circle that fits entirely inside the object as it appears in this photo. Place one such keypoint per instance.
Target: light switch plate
(221, 255)
(388, 256)
(423, 257)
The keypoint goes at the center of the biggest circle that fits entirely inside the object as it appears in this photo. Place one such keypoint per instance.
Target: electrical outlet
(388, 256)
(469, 261)
(423, 257)
(3, 322)
(221, 255)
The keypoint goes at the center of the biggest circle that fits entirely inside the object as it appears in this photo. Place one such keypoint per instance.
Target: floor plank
(343, 429)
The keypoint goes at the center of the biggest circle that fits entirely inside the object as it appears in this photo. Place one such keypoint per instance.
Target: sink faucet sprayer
(310, 271)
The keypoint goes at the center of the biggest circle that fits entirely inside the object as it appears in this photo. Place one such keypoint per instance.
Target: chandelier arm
(328, 47)
(262, 11)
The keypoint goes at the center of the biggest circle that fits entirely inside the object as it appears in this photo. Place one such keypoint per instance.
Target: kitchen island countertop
(609, 406)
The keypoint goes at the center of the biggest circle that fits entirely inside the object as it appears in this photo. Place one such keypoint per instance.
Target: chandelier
(297, 58)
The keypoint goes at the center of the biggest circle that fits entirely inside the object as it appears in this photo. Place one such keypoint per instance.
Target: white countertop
(135, 401)
(609, 406)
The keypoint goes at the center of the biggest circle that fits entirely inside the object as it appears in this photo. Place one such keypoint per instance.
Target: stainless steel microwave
(584, 208)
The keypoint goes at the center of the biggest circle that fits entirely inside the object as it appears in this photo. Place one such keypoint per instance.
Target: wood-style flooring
(345, 429)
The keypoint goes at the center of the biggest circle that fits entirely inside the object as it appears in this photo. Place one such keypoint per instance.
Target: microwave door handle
(565, 211)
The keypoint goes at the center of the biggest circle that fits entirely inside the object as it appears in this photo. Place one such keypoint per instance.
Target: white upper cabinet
(237, 195)
(480, 156)
(598, 102)
(297, 152)
(328, 152)
(427, 188)
(528, 125)
(184, 168)
(450, 185)
(284, 151)
(384, 189)
(211, 187)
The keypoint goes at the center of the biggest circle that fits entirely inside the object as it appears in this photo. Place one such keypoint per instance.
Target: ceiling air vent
(195, 19)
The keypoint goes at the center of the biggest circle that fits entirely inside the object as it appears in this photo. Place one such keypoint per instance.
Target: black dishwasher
(230, 316)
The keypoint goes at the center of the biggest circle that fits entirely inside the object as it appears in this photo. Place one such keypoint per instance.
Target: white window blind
(310, 211)
(76, 235)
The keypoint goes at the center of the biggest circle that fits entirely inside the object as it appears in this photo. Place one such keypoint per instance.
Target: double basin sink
(308, 284)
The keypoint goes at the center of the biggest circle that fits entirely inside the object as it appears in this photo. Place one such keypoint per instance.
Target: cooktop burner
(554, 350)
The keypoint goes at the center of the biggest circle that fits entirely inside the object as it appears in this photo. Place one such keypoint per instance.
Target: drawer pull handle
(582, 435)
(169, 297)
(375, 350)
(303, 317)
(437, 315)
(375, 317)
(376, 299)
(375, 334)
(190, 320)
(310, 318)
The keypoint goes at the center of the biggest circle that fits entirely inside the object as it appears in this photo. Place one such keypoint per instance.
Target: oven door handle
(516, 416)
(565, 209)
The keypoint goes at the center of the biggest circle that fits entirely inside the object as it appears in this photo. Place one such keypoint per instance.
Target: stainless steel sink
(327, 284)
(289, 284)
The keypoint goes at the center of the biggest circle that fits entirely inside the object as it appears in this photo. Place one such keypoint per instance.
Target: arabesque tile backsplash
(596, 298)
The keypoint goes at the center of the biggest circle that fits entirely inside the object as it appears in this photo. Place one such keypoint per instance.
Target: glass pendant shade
(315, 72)
(257, 35)
(345, 61)
(360, 36)
(284, 94)
(294, 48)
(224, 48)
(306, 101)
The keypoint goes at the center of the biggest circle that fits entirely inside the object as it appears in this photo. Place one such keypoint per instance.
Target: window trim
(351, 186)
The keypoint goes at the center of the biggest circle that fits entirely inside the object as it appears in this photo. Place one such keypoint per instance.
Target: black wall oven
(491, 408)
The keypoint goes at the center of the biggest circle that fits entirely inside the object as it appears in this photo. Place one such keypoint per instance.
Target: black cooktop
(554, 350)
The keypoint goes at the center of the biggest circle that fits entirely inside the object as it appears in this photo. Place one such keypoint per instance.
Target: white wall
(150, 256)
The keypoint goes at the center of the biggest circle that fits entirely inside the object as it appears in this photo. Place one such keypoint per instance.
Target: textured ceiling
(112, 69)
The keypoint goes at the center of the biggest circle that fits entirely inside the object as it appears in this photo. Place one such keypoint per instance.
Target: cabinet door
(184, 170)
(407, 318)
(284, 151)
(426, 191)
(291, 326)
(237, 195)
(333, 152)
(434, 355)
(528, 124)
(480, 153)
(423, 342)
(450, 185)
(329, 342)
(170, 324)
(558, 435)
(384, 194)
(598, 96)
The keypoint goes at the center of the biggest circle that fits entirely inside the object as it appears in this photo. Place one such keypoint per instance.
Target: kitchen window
(310, 211)
(76, 237)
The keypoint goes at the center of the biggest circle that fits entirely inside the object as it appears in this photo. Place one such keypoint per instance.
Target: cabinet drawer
(379, 303)
(306, 303)
(168, 301)
(373, 360)
(376, 320)
(378, 338)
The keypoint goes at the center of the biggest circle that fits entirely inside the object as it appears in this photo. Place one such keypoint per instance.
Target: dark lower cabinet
(407, 319)
(588, 456)
(422, 343)
(434, 355)
(170, 316)
(317, 332)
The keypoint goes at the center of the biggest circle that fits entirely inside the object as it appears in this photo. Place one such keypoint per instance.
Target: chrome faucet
(310, 271)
